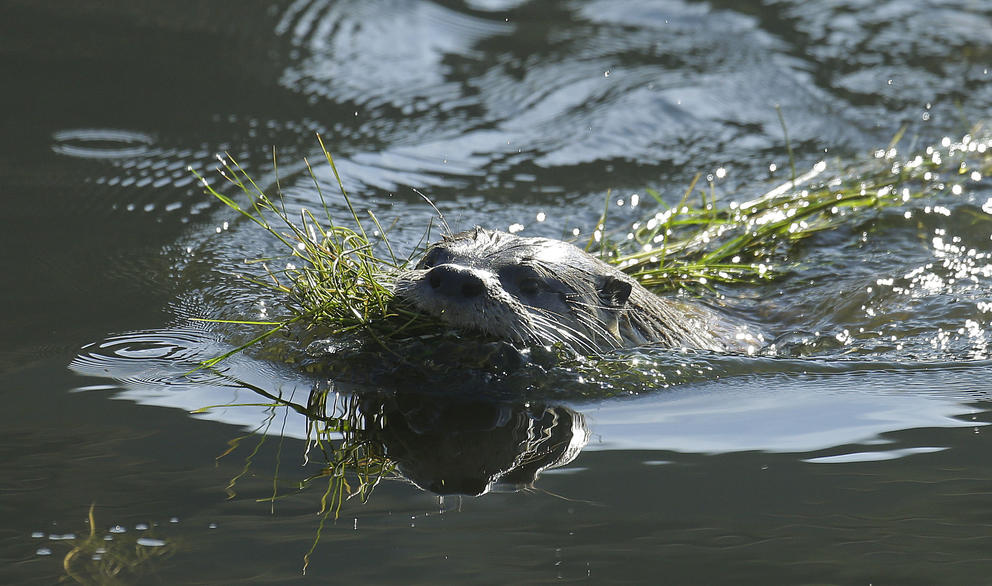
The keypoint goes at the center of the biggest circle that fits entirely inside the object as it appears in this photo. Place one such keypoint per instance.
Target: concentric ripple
(101, 143)
(154, 357)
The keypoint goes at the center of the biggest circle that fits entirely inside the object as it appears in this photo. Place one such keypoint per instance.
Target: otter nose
(456, 282)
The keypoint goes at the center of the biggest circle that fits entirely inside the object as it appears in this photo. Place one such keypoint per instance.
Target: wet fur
(541, 291)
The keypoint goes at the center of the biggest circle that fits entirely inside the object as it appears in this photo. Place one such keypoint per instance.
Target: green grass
(336, 274)
(702, 242)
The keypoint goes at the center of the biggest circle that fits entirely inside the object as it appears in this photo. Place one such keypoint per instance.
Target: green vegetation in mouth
(336, 276)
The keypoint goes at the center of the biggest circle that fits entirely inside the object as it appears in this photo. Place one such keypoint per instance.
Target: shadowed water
(852, 450)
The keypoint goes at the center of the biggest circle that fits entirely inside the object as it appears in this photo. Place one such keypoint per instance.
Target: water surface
(856, 452)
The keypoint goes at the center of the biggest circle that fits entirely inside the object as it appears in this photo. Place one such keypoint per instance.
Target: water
(856, 452)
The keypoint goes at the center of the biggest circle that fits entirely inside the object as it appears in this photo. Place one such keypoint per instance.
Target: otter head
(520, 289)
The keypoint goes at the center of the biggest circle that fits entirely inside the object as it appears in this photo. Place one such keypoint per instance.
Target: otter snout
(455, 282)
(467, 297)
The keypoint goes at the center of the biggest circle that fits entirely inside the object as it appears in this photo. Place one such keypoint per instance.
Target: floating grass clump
(336, 276)
(708, 242)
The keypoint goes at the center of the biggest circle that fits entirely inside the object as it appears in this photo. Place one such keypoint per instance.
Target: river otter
(541, 291)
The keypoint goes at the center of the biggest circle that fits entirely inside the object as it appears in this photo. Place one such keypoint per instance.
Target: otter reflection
(448, 444)
(470, 447)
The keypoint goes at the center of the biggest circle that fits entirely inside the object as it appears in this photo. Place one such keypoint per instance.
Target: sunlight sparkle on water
(66, 537)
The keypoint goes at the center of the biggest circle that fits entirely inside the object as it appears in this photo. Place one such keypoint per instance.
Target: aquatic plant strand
(703, 244)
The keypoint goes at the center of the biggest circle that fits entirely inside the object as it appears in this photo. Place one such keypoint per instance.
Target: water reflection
(450, 436)
(822, 416)
(470, 447)
(447, 444)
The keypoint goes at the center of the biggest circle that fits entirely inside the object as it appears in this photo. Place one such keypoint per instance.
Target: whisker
(562, 332)
(548, 330)
(599, 328)
(590, 322)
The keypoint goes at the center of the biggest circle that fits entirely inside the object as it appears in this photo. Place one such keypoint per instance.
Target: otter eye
(529, 285)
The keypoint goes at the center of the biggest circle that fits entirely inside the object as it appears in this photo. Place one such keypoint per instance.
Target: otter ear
(615, 291)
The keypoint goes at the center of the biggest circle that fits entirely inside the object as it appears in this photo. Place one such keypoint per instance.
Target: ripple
(381, 52)
(873, 456)
(805, 411)
(101, 143)
(152, 356)
(899, 55)
(155, 367)
(663, 15)
(920, 289)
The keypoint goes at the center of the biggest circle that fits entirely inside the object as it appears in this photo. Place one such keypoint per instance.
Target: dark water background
(864, 462)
